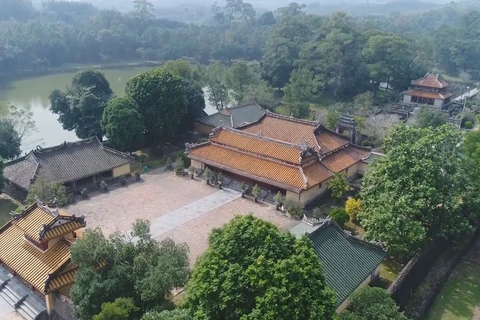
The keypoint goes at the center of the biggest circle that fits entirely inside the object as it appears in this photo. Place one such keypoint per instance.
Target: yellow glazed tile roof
(345, 158)
(270, 170)
(31, 263)
(258, 145)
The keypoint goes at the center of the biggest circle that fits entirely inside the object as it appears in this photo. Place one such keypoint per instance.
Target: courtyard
(179, 208)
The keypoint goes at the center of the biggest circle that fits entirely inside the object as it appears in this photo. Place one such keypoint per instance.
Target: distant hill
(401, 6)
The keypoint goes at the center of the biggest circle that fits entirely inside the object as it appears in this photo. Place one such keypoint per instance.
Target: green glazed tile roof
(346, 260)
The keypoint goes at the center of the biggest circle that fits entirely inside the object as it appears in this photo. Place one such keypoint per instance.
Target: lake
(32, 94)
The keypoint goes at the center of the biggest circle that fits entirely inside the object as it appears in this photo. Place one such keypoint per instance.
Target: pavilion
(429, 90)
(35, 255)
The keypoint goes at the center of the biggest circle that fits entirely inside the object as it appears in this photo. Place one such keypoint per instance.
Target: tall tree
(216, 78)
(471, 147)
(144, 10)
(135, 268)
(9, 140)
(123, 124)
(300, 86)
(177, 314)
(241, 77)
(422, 189)
(162, 102)
(81, 107)
(251, 270)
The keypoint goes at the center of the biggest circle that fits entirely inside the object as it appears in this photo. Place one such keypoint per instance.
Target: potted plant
(278, 198)
(340, 216)
(103, 186)
(256, 192)
(244, 189)
(84, 193)
(71, 198)
(123, 181)
(191, 171)
(208, 175)
(220, 180)
(137, 175)
(169, 163)
(179, 167)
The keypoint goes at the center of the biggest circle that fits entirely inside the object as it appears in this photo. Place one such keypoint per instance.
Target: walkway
(191, 211)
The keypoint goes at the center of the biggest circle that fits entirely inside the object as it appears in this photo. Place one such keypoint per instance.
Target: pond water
(32, 94)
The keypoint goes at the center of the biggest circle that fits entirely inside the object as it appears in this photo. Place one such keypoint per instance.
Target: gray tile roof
(245, 114)
(372, 157)
(67, 162)
(21, 171)
(217, 120)
(346, 260)
(238, 116)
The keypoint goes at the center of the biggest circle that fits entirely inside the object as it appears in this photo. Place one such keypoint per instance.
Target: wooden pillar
(49, 303)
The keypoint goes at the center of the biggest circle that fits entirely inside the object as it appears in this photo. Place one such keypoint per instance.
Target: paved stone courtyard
(178, 208)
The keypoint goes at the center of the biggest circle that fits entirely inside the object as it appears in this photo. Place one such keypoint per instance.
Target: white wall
(407, 98)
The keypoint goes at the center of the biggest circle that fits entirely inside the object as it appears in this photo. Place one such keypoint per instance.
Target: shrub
(208, 174)
(71, 197)
(84, 193)
(279, 198)
(192, 169)
(220, 178)
(338, 186)
(340, 216)
(179, 166)
(294, 208)
(244, 187)
(353, 207)
(103, 185)
(256, 191)
(468, 124)
(169, 163)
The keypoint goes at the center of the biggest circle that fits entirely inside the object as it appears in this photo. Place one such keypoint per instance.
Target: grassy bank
(6, 206)
(460, 297)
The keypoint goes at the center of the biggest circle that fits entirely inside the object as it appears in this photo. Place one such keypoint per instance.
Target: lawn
(6, 206)
(460, 297)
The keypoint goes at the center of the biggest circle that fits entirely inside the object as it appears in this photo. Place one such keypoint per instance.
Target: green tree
(428, 117)
(471, 147)
(372, 304)
(333, 116)
(162, 102)
(300, 86)
(119, 267)
(241, 77)
(177, 314)
(421, 189)
(9, 140)
(80, 108)
(338, 186)
(120, 309)
(251, 270)
(194, 92)
(389, 59)
(216, 76)
(123, 124)
(144, 10)
(46, 190)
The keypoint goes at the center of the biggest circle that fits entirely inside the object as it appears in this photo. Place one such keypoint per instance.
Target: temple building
(234, 117)
(279, 153)
(35, 259)
(76, 165)
(429, 90)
